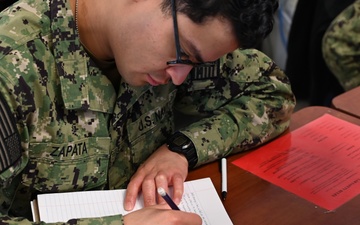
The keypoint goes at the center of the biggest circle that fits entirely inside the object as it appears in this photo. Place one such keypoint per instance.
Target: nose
(178, 73)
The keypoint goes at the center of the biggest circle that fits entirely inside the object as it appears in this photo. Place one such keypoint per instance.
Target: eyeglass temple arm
(176, 32)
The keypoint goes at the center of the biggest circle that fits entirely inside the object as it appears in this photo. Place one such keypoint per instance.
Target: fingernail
(127, 206)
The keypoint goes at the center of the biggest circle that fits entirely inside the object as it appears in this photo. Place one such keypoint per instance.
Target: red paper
(319, 161)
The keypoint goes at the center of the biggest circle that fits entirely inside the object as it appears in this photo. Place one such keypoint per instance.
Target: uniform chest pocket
(79, 165)
(149, 132)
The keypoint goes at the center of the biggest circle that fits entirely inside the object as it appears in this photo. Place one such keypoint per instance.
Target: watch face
(180, 140)
(181, 144)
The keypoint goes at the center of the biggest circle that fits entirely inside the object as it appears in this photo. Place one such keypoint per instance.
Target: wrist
(181, 144)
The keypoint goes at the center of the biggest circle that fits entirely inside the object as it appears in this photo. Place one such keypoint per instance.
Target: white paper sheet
(200, 197)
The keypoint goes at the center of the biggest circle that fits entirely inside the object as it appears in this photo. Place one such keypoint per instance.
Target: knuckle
(161, 177)
(149, 200)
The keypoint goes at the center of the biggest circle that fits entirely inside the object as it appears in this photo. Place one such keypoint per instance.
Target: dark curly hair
(252, 20)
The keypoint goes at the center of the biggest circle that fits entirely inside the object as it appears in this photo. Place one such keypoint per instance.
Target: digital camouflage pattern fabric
(341, 47)
(79, 132)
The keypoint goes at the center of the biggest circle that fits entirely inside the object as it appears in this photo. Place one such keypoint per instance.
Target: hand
(161, 215)
(162, 169)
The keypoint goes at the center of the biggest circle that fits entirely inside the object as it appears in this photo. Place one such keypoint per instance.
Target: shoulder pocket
(10, 145)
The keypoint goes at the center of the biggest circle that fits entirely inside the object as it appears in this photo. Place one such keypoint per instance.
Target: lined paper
(200, 197)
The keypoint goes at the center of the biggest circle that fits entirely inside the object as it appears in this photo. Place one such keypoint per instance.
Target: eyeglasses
(179, 60)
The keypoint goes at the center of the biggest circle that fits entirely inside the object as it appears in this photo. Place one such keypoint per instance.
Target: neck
(92, 33)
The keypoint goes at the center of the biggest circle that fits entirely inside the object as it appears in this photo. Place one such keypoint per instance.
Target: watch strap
(186, 148)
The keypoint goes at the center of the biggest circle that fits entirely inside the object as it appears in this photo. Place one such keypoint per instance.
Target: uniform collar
(83, 86)
(127, 96)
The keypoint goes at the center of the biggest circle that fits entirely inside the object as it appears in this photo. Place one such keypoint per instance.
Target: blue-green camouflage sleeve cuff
(107, 220)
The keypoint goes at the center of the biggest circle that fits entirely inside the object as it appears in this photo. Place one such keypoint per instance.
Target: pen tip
(224, 193)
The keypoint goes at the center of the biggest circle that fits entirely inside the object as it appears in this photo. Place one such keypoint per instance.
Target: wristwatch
(181, 144)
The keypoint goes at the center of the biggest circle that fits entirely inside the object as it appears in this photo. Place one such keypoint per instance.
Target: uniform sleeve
(109, 220)
(341, 47)
(249, 104)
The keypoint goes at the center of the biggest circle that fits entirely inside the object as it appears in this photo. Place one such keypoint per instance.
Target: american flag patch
(10, 145)
(209, 70)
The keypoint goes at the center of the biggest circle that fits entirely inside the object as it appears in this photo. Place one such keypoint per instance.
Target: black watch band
(181, 144)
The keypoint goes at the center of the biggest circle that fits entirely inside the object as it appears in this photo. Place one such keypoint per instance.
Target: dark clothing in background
(5, 3)
(310, 78)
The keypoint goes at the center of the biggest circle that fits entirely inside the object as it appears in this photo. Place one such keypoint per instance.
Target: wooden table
(253, 201)
(348, 102)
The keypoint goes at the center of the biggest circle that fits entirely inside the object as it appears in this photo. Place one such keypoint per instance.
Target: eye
(183, 55)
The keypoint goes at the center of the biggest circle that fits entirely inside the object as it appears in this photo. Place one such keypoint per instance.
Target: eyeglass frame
(179, 60)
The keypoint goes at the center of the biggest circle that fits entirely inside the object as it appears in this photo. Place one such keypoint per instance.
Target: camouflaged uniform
(341, 47)
(78, 132)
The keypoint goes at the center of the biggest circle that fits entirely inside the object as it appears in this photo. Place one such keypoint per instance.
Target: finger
(132, 192)
(161, 206)
(191, 218)
(184, 217)
(149, 191)
(161, 181)
(178, 184)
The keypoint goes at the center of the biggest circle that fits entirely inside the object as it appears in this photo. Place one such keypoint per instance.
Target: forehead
(211, 39)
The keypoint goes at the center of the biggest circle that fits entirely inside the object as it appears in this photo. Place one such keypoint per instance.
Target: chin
(137, 84)
(135, 80)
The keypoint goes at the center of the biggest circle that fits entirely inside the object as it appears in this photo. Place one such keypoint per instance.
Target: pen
(167, 198)
(223, 178)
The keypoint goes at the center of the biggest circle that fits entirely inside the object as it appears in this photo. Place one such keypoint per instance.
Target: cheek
(148, 52)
